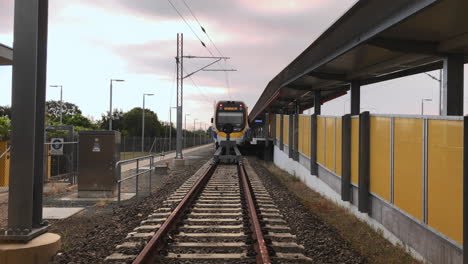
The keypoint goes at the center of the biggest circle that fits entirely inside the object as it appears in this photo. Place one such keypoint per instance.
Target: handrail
(118, 171)
(6, 151)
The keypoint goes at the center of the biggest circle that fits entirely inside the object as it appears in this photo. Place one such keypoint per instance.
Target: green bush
(5, 127)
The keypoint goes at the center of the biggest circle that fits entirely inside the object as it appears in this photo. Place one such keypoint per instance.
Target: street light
(143, 124)
(194, 130)
(61, 101)
(440, 87)
(185, 134)
(422, 104)
(110, 103)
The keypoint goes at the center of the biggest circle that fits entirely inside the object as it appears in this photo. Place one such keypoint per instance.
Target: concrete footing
(36, 251)
(178, 163)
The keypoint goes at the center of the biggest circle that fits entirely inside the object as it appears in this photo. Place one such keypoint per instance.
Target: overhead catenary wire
(198, 37)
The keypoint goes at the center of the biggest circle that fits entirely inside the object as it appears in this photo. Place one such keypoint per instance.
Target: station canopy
(372, 42)
(6, 55)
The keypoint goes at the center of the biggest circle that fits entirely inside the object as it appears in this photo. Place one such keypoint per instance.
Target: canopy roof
(373, 41)
(6, 55)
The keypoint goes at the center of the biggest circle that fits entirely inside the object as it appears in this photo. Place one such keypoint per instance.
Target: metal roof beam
(300, 87)
(403, 73)
(406, 46)
(328, 76)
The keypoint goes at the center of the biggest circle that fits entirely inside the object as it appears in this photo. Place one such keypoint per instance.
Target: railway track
(222, 214)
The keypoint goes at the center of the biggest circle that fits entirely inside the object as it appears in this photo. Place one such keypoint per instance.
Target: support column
(346, 158)
(465, 189)
(355, 98)
(273, 129)
(317, 103)
(313, 145)
(291, 137)
(364, 162)
(28, 100)
(452, 86)
(281, 143)
(266, 134)
(296, 137)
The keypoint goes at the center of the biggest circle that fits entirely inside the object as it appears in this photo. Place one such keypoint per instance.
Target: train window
(230, 118)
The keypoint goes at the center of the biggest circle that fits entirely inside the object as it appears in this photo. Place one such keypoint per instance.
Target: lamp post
(200, 131)
(440, 87)
(170, 126)
(110, 101)
(422, 104)
(185, 134)
(61, 100)
(143, 124)
(194, 131)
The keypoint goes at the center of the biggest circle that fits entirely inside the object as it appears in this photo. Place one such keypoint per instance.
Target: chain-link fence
(132, 147)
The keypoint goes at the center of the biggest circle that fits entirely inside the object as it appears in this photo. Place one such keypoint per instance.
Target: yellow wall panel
(408, 183)
(321, 140)
(445, 177)
(354, 150)
(307, 136)
(4, 165)
(380, 156)
(286, 129)
(278, 126)
(330, 144)
(338, 146)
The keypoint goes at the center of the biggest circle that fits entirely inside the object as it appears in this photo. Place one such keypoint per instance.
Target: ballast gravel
(322, 243)
(90, 236)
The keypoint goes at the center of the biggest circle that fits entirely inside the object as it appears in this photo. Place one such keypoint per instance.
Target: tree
(5, 127)
(68, 109)
(132, 123)
(5, 111)
(117, 120)
(78, 120)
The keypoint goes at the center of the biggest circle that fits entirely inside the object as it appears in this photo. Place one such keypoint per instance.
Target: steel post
(180, 94)
(346, 157)
(452, 86)
(355, 98)
(110, 107)
(313, 145)
(364, 162)
(317, 103)
(281, 132)
(28, 96)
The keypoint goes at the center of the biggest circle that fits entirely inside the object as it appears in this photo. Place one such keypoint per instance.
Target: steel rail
(150, 252)
(260, 245)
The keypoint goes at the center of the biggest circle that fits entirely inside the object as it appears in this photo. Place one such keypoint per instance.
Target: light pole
(422, 104)
(170, 126)
(194, 131)
(110, 101)
(200, 132)
(185, 134)
(61, 100)
(143, 124)
(440, 87)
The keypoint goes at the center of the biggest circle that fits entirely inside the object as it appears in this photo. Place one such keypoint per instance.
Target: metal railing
(136, 175)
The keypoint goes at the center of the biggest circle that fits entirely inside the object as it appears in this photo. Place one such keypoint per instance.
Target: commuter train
(233, 113)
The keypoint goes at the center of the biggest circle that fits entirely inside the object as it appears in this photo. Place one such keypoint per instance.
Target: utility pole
(200, 132)
(185, 129)
(143, 124)
(110, 102)
(170, 126)
(180, 85)
(194, 131)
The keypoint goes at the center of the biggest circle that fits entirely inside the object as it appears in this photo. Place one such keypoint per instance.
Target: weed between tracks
(369, 243)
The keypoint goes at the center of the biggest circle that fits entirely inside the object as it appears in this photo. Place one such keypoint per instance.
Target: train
(232, 114)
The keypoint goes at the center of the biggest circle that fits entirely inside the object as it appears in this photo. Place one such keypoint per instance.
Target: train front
(233, 113)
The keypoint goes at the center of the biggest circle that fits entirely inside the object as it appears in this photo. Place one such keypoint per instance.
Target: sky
(91, 42)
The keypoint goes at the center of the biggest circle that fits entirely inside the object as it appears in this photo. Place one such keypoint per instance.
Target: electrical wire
(203, 44)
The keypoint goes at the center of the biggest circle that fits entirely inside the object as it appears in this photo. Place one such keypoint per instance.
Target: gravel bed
(322, 243)
(92, 235)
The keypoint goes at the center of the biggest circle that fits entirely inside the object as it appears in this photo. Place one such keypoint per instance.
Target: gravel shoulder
(91, 235)
(329, 233)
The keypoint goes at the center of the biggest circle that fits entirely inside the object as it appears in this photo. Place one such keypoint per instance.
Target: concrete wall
(422, 241)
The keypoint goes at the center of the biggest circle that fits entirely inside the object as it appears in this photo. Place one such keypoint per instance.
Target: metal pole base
(22, 235)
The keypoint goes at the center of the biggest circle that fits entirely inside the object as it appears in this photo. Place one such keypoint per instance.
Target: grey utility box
(99, 151)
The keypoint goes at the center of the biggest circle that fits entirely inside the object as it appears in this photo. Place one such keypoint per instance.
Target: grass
(131, 155)
(368, 242)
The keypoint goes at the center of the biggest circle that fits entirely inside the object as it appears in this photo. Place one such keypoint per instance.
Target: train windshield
(234, 118)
